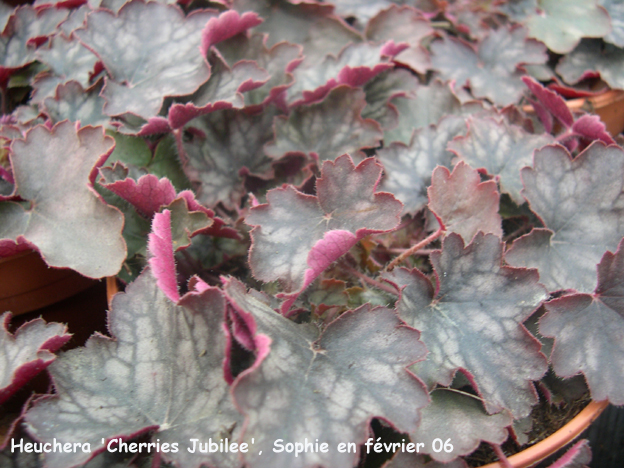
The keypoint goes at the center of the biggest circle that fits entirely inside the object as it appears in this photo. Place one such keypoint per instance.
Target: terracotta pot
(559, 439)
(27, 283)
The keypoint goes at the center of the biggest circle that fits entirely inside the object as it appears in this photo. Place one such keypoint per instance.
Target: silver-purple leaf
(27, 352)
(221, 148)
(71, 102)
(407, 169)
(462, 419)
(297, 236)
(67, 60)
(162, 372)
(462, 203)
(472, 321)
(501, 149)
(278, 61)
(615, 8)
(327, 129)
(492, 69)
(593, 56)
(588, 331)
(324, 386)
(138, 59)
(66, 221)
(579, 202)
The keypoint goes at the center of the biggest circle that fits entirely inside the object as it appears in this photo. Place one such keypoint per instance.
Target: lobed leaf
(578, 201)
(147, 194)
(326, 387)
(562, 25)
(407, 169)
(71, 102)
(462, 419)
(615, 9)
(462, 203)
(137, 59)
(501, 149)
(27, 352)
(472, 321)
(63, 204)
(492, 70)
(588, 329)
(162, 373)
(297, 236)
(327, 129)
(593, 56)
(221, 149)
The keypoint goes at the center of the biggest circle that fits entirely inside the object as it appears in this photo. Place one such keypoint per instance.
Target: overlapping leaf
(491, 70)
(381, 90)
(297, 236)
(222, 147)
(162, 372)
(562, 25)
(588, 330)
(71, 102)
(63, 203)
(462, 419)
(408, 168)
(326, 387)
(463, 203)
(67, 60)
(311, 25)
(578, 456)
(278, 61)
(594, 56)
(354, 66)
(403, 24)
(327, 129)
(579, 202)
(27, 352)
(24, 28)
(501, 149)
(138, 59)
(473, 321)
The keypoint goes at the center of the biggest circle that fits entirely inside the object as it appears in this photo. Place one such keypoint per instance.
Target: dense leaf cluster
(333, 220)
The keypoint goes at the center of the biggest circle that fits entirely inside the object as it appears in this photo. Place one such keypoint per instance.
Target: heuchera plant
(336, 223)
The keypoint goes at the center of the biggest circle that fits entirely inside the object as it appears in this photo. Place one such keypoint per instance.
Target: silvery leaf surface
(473, 321)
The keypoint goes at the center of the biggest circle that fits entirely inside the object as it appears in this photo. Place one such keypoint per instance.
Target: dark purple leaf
(492, 69)
(326, 387)
(501, 149)
(462, 419)
(578, 200)
(551, 104)
(588, 330)
(221, 148)
(67, 221)
(27, 352)
(226, 25)
(472, 321)
(162, 372)
(147, 194)
(463, 203)
(591, 128)
(138, 59)
(407, 169)
(297, 236)
(327, 129)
